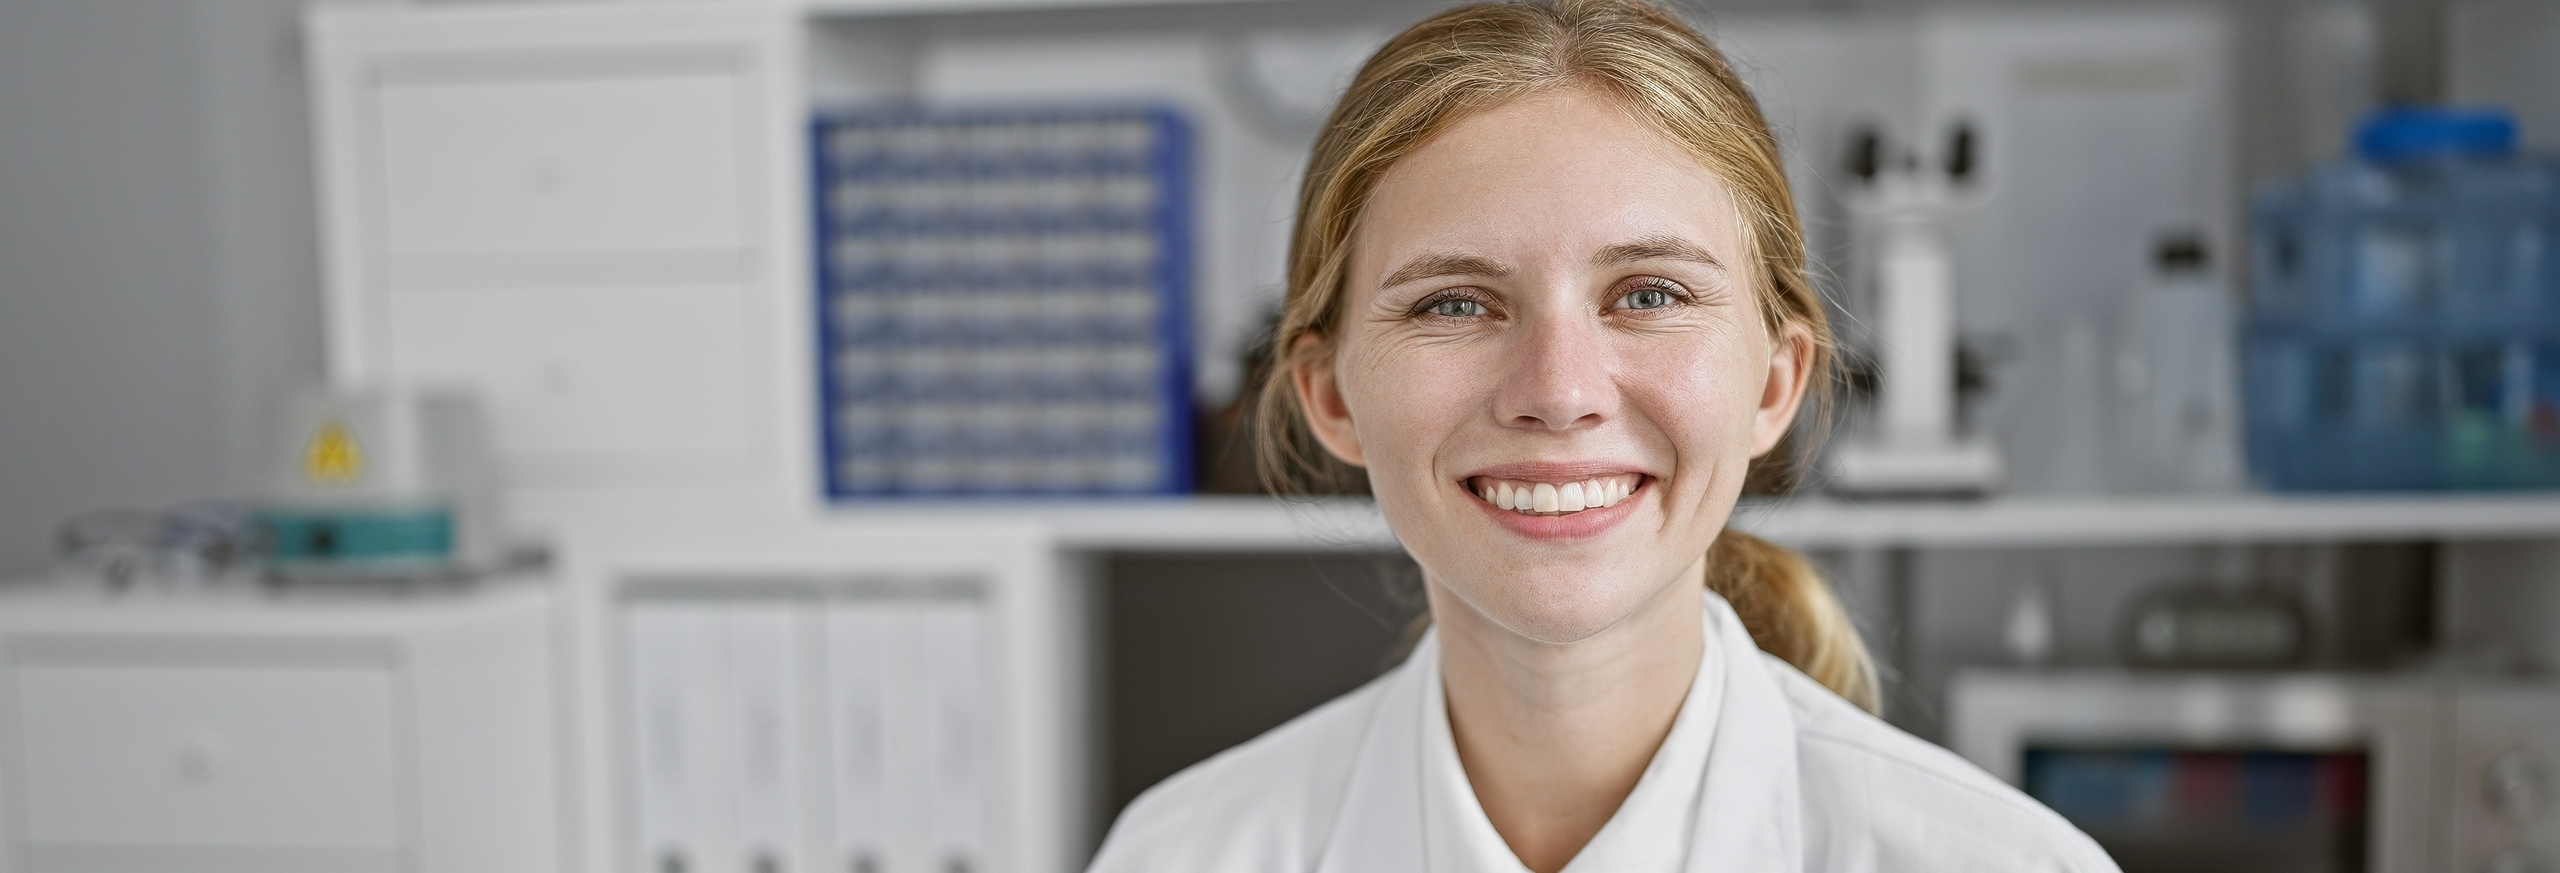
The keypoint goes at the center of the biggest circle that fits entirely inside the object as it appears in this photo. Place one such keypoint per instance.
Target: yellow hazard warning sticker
(332, 457)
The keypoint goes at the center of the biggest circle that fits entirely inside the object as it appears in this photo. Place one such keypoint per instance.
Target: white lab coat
(1796, 779)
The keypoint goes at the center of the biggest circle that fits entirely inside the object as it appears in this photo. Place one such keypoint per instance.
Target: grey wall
(158, 275)
(2508, 52)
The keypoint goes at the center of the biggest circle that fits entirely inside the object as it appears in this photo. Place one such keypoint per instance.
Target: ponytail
(1791, 613)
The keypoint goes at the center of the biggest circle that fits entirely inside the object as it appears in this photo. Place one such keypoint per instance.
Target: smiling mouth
(1555, 498)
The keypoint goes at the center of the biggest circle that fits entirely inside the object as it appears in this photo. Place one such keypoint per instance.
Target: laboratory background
(760, 436)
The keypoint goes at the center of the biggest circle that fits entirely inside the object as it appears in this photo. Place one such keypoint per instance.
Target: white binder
(859, 645)
(773, 736)
(678, 737)
(957, 715)
(768, 760)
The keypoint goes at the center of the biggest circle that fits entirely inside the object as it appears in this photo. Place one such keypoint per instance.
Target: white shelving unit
(1244, 524)
(2162, 520)
(497, 182)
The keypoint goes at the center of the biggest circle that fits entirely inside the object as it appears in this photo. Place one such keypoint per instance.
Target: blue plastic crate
(1003, 301)
(2404, 326)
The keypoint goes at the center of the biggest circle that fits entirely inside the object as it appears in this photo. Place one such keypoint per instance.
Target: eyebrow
(1445, 264)
(1657, 247)
(1646, 248)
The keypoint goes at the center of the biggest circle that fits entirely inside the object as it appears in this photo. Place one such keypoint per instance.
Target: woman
(1548, 290)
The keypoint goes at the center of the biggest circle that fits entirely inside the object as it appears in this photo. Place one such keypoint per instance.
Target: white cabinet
(593, 217)
(288, 757)
(238, 732)
(592, 152)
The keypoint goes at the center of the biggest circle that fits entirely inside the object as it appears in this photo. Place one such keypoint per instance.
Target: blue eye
(1645, 298)
(1455, 307)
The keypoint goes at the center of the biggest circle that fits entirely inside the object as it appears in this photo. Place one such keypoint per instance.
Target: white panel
(489, 700)
(623, 159)
(956, 706)
(2506, 775)
(909, 735)
(859, 655)
(2098, 131)
(567, 232)
(653, 371)
(678, 739)
(266, 756)
(770, 751)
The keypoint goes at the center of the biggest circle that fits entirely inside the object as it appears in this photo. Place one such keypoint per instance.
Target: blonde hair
(1471, 58)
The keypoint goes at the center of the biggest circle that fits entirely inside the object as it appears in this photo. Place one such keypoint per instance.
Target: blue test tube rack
(1002, 301)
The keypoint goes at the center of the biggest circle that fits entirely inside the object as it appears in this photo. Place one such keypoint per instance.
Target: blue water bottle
(2404, 326)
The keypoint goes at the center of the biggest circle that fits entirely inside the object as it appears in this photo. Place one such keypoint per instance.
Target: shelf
(2125, 520)
(892, 8)
(1342, 524)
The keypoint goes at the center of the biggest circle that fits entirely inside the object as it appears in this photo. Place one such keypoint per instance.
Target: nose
(1559, 378)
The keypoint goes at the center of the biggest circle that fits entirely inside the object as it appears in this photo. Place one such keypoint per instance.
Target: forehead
(1555, 175)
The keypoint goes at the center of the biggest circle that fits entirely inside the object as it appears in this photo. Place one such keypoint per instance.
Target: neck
(1554, 736)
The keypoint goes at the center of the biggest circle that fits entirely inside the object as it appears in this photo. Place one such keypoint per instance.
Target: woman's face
(1551, 360)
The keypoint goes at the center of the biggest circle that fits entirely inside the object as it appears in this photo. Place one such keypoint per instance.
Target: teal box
(300, 536)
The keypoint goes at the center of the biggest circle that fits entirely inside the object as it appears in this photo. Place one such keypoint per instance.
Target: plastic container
(2175, 405)
(1003, 301)
(2404, 327)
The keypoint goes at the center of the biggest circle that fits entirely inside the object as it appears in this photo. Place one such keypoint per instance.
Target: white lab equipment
(388, 481)
(2226, 770)
(2177, 416)
(1916, 445)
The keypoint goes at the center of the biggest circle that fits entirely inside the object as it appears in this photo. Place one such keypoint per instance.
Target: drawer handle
(200, 758)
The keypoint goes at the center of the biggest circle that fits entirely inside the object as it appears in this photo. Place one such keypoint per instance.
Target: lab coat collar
(1379, 824)
(1749, 810)
(1749, 806)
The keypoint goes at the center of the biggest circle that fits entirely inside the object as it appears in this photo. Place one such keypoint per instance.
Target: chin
(1555, 608)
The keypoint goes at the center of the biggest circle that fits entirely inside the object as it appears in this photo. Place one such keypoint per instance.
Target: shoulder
(1877, 798)
(1265, 805)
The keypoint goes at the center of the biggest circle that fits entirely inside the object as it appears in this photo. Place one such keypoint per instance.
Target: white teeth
(1543, 497)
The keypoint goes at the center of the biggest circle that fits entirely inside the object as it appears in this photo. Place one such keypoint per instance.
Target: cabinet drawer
(560, 151)
(259, 755)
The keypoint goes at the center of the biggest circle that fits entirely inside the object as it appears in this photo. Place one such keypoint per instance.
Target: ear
(1320, 397)
(1790, 372)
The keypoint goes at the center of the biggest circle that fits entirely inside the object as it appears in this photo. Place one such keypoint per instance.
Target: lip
(1575, 526)
(1553, 471)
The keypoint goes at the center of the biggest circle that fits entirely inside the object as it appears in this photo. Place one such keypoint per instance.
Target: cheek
(1704, 396)
(1407, 402)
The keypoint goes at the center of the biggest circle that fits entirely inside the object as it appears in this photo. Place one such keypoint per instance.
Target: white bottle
(2176, 390)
